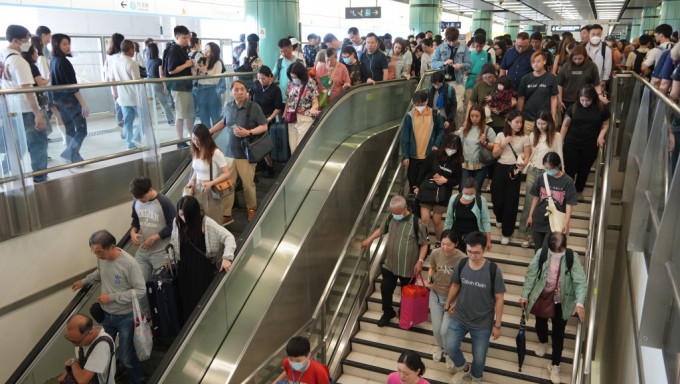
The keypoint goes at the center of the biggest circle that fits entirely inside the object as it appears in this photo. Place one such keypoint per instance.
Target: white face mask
(450, 151)
(296, 81)
(610, 43)
(421, 109)
(595, 40)
(25, 46)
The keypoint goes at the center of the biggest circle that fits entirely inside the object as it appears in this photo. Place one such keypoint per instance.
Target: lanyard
(292, 373)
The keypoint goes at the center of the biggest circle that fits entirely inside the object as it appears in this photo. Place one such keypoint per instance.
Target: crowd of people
(534, 108)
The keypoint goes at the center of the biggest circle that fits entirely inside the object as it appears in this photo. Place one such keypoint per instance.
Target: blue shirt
(521, 67)
(664, 66)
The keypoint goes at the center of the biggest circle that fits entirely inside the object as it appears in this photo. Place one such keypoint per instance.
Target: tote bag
(415, 301)
(556, 218)
(143, 339)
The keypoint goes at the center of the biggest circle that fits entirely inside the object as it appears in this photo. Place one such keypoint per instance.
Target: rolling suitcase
(163, 301)
(279, 135)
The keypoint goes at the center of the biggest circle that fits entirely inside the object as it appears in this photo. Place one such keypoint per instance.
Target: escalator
(369, 115)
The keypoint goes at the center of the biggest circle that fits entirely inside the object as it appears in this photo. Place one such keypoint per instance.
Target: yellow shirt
(422, 129)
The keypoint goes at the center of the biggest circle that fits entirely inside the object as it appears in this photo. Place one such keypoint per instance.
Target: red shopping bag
(415, 302)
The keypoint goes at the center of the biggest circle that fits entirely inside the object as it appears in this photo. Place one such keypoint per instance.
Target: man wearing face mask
(600, 54)
(422, 132)
(299, 367)
(404, 254)
(16, 73)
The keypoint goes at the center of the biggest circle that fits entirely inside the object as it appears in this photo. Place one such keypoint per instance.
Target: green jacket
(573, 286)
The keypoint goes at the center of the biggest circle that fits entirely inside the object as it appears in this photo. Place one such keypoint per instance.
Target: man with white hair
(404, 253)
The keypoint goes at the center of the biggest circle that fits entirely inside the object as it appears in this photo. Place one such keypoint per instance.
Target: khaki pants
(297, 131)
(241, 167)
(211, 207)
(529, 127)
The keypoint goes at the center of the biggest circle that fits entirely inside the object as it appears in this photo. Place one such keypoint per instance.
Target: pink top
(341, 78)
(553, 278)
(393, 378)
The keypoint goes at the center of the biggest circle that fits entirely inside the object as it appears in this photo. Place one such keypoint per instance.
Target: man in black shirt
(176, 63)
(375, 60)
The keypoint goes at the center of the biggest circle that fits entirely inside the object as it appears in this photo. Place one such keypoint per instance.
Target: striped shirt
(402, 249)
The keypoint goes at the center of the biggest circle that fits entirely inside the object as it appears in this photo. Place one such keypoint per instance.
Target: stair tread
(350, 379)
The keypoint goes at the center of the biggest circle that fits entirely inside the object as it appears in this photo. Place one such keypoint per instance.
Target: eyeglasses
(474, 253)
(98, 253)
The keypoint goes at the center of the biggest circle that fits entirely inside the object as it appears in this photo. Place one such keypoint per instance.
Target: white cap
(294, 41)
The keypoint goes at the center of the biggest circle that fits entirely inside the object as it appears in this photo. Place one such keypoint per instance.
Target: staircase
(374, 351)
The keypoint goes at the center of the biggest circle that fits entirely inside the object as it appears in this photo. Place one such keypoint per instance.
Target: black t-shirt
(152, 66)
(537, 92)
(376, 63)
(176, 57)
(35, 72)
(358, 73)
(268, 98)
(586, 124)
(466, 221)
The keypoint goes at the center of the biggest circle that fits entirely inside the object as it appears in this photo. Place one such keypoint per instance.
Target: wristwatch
(419, 260)
(70, 363)
(497, 327)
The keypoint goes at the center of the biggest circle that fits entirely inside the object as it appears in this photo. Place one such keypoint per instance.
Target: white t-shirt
(43, 67)
(100, 359)
(125, 68)
(518, 143)
(202, 168)
(17, 72)
(539, 151)
(425, 63)
(491, 52)
(654, 54)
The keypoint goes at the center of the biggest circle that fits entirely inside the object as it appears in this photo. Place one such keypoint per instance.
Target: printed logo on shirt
(576, 72)
(556, 195)
(537, 85)
(148, 213)
(472, 283)
(445, 269)
(118, 279)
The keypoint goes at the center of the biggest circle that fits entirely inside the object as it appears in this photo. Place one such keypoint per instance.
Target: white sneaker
(499, 224)
(449, 364)
(541, 349)
(554, 373)
(476, 380)
(437, 353)
(505, 240)
(460, 375)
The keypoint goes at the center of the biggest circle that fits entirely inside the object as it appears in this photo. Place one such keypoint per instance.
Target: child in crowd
(299, 367)
(502, 100)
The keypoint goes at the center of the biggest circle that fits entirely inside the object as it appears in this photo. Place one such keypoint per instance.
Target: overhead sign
(565, 28)
(446, 24)
(363, 13)
(135, 6)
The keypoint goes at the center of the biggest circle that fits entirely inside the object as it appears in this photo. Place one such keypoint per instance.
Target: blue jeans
(480, 345)
(129, 114)
(209, 104)
(124, 327)
(440, 318)
(76, 131)
(479, 175)
(36, 141)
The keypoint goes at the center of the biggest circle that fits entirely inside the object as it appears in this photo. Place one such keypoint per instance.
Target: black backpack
(544, 256)
(492, 272)
(247, 66)
(639, 58)
(279, 64)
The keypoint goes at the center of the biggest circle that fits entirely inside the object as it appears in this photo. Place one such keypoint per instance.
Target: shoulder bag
(557, 218)
(544, 306)
(515, 171)
(327, 82)
(82, 360)
(291, 116)
(223, 189)
(256, 147)
(486, 156)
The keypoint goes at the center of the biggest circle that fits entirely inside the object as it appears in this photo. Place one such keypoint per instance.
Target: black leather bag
(256, 147)
(431, 193)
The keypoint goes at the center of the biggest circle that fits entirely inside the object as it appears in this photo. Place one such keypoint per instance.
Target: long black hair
(451, 141)
(191, 228)
(214, 55)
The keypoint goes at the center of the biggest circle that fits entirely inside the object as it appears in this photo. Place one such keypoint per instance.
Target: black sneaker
(385, 319)
(182, 145)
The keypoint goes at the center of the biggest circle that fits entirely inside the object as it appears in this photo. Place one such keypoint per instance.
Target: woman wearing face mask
(70, 103)
(475, 134)
(398, 65)
(562, 190)
(437, 177)
(332, 77)
(357, 71)
(410, 370)
(578, 72)
(545, 138)
(197, 239)
(537, 91)
(616, 53)
(566, 283)
(584, 129)
(468, 212)
(268, 97)
(442, 262)
(562, 55)
(302, 100)
(514, 149)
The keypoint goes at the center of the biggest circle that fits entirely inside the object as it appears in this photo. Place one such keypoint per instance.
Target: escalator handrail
(394, 147)
(187, 329)
(75, 305)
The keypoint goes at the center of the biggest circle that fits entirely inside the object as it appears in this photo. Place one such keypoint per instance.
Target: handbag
(415, 302)
(556, 218)
(256, 147)
(222, 189)
(327, 82)
(323, 99)
(514, 170)
(544, 306)
(142, 339)
(486, 156)
(291, 116)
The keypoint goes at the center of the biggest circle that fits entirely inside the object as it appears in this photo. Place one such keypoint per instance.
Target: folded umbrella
(521, 340)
